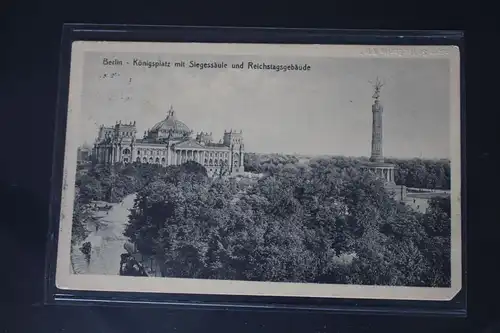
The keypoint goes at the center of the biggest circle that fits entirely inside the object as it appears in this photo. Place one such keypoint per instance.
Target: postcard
(327, 171)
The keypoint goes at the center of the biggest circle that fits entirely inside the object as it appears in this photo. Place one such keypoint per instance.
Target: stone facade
(170, 142)
(377, 133)
(385, 171)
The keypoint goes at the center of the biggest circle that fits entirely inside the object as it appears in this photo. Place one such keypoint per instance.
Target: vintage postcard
(327, 171)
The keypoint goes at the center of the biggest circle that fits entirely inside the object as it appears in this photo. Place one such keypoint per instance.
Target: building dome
(171, 125)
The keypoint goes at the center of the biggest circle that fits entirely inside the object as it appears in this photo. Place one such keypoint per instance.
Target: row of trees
(420, 173)
(323, 221)
(432, 174)
(106, 183)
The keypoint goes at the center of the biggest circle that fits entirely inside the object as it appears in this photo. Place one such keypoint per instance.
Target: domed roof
(170, 123)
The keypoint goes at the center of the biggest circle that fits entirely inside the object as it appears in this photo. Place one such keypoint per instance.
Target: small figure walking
(86, 250)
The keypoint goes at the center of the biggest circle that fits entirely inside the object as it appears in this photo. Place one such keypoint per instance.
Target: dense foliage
(306, 220)
(419, 173)
(81, 214)
(106, 183)
(432, 174)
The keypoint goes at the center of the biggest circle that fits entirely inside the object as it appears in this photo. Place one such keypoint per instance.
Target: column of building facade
(112, 153)
(167, 155)
(107, 154)
(203, 157)
(118, 153)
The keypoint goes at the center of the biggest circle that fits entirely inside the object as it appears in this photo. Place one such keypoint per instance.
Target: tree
(325, 221)
(420, 173)
(81, 214)
(193, 167)
(223, 169)
(436, 246)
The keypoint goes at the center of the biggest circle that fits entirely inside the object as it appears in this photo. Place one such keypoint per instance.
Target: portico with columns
(385, 171)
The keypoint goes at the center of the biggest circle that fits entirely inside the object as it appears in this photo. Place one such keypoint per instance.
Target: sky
(326, 110)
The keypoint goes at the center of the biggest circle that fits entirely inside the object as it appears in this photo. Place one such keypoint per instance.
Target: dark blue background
(29, 49)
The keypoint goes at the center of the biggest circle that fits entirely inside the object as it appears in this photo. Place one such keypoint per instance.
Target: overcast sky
(324, 111)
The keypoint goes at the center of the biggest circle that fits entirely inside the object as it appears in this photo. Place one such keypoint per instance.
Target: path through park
(107, 242)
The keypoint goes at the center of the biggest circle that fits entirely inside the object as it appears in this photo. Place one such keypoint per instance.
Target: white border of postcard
(65, 280)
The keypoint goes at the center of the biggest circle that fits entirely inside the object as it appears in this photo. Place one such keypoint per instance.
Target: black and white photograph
(275, 170)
